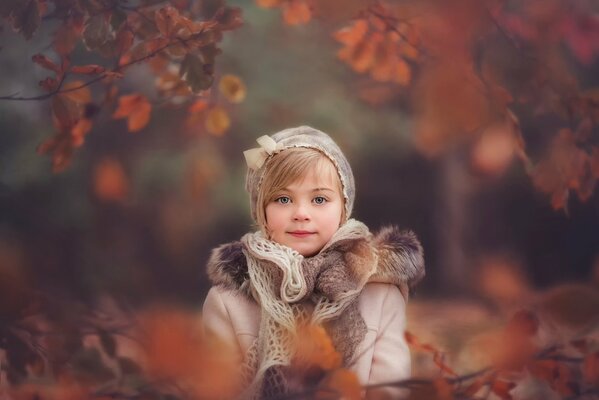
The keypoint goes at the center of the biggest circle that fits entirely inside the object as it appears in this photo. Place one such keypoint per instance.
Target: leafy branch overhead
(484, 74)
(499, 78)
(177, 39)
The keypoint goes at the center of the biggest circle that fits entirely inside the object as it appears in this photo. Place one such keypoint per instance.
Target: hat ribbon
(256, 157)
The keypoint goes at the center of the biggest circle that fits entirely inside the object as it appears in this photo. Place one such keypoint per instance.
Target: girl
(310, 264)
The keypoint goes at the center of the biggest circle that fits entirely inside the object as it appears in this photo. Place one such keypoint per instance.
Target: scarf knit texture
(283, 283)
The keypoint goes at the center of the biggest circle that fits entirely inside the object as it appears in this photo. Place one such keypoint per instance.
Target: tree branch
(58, 90)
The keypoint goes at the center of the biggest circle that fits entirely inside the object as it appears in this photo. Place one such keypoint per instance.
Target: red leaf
(67, 35)
(49, 84)
(502, 389)
(88, 69)
(45, 62)
(65, 111)
(590, 368)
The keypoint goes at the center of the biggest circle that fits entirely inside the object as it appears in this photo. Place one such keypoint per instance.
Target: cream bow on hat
(256, 157)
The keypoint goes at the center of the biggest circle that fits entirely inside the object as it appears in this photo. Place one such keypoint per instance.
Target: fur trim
(400, 256)
(227, 266)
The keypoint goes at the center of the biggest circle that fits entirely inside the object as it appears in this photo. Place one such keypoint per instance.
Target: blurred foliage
(429, 86)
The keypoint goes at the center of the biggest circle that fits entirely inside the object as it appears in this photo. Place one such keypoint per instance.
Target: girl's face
(305, 214)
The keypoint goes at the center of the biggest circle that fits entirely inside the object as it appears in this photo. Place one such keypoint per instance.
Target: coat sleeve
(216, 320)
(391, 358)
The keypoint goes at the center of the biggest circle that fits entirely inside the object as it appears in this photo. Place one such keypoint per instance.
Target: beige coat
(383, 355)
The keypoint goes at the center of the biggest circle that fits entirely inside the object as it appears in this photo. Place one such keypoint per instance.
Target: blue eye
(320, 200)
(283, 200)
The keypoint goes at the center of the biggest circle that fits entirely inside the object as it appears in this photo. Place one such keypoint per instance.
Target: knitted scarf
(282, 280)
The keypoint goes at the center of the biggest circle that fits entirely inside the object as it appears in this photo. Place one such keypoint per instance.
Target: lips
(301, 234)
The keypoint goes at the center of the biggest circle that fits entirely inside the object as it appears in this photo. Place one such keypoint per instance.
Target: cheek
(273, 217)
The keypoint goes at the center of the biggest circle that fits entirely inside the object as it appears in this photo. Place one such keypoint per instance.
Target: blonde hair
(287, 167)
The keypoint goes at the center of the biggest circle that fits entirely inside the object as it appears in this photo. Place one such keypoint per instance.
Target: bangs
(292, 165)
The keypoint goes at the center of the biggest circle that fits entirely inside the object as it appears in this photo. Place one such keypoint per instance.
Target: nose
(301, 213)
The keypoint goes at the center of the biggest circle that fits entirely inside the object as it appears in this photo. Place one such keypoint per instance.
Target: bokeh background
(135, 215)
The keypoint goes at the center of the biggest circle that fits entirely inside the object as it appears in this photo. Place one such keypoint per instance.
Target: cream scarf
(282, 280)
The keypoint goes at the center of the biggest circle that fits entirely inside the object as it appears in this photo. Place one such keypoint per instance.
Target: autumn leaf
(315, 348)
(344, 384)
(353, 34)
(167, 20)
(77, 91)
(195, 73)
(177, 349)
(403, 72)
(45, 62)
(268, 3)
(228, 18)
(136, 108)
(217, 121)
(49, 84)
(198, 106)
(78, 132)
(590, 369)
(296, 12)
(65, 111)
(24, 16)
(233, 88)
(87, 69)
(67, 35)
(111, 185)
(502, 388)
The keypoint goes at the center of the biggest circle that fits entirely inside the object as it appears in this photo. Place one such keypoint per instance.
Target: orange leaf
(353, 34)
(124, 41)
(110, 182)
(315, 348)
(296, 12)
(136, 108)
(232, 88)
(77, 92)
(45, 62)
(217, 121)
(268, 3)
(65, 112)
(344, 384)
(198, 106)
(403, 72)
(502, 388)
(88, 69)
(81, 128)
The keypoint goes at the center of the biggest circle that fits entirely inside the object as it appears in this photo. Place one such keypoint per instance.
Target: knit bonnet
(302, 136)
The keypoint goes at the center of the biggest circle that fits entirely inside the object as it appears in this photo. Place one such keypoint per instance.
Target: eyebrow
(322, 189)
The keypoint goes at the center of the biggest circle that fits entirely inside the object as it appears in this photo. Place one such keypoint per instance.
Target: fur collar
(400, 260)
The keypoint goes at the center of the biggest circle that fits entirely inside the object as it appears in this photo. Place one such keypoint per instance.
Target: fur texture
(400, 256)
